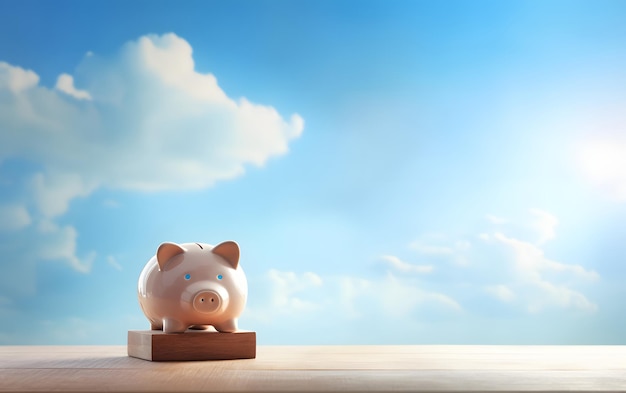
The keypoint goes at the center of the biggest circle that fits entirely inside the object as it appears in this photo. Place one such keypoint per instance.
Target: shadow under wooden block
(192, 345)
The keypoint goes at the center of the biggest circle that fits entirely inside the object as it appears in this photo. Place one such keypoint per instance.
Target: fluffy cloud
(141, 119)
(504, 277)
(501, 273)
(144, 119)
(542, 282)
(16, 79)
(52, 193)
(65, 83)
(511, 269)
(344, 298)
(286, 287)
(60, 244)
(399, 297)
(540, 279)
(530, 262)
(393, 296)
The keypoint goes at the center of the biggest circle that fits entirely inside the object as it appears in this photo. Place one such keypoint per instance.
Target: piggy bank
(193, 285)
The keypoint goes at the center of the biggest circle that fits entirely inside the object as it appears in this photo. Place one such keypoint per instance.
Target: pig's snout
(209, 302)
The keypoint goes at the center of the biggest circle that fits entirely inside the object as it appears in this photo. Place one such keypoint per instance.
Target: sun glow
(604, 163)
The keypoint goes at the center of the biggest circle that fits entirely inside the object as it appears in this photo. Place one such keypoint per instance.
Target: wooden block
(192, 345)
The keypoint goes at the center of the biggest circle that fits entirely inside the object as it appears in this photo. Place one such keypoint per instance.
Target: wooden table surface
(321, 368)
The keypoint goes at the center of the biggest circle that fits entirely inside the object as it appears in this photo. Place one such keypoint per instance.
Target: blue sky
(397, 172)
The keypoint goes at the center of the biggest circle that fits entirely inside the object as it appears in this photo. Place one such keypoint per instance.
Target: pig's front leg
(171, 325)
(227, 326)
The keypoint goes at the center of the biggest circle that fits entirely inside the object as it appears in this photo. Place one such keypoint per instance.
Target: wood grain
(156, 345)
(322, 368)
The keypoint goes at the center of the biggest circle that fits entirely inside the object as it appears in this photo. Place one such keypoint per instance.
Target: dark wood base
(154, 345)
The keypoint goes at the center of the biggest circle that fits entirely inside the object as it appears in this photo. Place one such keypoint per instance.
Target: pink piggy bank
(193, 285)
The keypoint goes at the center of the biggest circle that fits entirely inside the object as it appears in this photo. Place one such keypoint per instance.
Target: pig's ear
(228, 250)
(166, 251)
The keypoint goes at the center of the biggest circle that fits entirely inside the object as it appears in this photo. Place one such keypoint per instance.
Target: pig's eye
(187, 276)
(219, 277)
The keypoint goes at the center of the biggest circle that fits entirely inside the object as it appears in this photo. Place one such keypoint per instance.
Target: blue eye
(219, 277)
(187, 276)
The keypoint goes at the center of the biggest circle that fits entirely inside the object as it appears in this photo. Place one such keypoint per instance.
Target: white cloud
(59, 243)
(153, 123)
(532, 269)
(531, 262)
(603, 163)
(525, 276)
(560, 296)
(13, 217)
(397, 298)
(65, 83)
(344, 298)
(405, 267)
(514, 272)
(538, 223)
(16, 79)
(143, 119)
(53, 193)
(392, 296)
